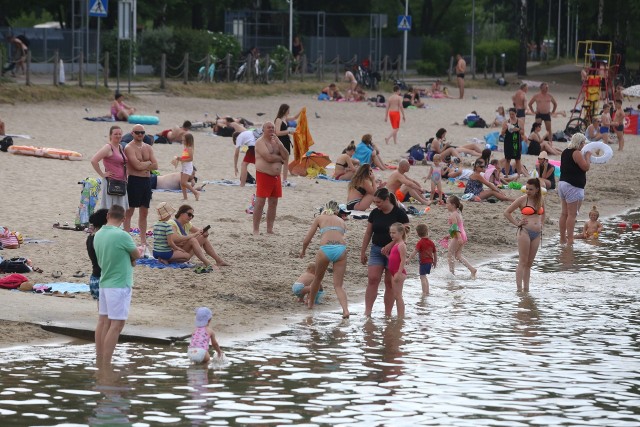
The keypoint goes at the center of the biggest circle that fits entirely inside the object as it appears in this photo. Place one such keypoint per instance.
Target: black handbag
(116, 187)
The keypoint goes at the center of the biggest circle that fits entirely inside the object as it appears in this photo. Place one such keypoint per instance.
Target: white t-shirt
(246, 138)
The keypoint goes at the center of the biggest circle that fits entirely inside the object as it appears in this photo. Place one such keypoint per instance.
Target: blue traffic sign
(98, 8)
(404, 22)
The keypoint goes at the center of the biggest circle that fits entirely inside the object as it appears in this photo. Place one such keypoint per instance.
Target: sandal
(203, 269)
(56, 274)
(79, 274)
(37, 270)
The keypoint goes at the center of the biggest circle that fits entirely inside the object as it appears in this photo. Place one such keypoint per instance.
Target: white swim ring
(598, 146)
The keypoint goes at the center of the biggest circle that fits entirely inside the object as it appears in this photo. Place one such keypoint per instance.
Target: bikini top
(530, 210)
(332, 227)
(344, 165)
(361, 190)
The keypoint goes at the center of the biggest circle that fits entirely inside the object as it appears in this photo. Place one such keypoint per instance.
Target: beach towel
(302, 138)
(100, 119)
(154, 263)
(329, 178)
(227, 182)
(19, 136)
(170, 190)
(68, 287)
(88, 201)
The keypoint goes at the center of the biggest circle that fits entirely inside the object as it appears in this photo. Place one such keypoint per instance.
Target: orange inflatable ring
(50, 153)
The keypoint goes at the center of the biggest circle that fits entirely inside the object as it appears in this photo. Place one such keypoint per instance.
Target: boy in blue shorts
(428, 256)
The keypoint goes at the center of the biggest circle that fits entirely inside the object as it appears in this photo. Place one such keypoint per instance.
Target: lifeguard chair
(598, 77)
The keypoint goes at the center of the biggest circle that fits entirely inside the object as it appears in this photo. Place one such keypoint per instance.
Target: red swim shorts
(268, 185)
(394, 118)
(250, 155)
(401, 197)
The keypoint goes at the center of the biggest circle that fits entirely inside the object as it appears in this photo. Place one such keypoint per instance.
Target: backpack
(14, 265)
(5, 143)
(12, 281)
(560, 136)
(416, 152)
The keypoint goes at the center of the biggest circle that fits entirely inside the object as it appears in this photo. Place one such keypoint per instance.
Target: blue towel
(154, 263)
(100, 119)
(329, 178)
(66, 287)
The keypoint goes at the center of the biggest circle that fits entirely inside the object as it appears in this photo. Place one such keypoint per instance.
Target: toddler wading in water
(592, 228)
(397, 260)
(302, 287)
(457, 236)
(201, 338)
(428, 256)
(186, 158)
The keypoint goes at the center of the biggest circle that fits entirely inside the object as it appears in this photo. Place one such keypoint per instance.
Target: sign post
(99, 9)
(124, 33)
(404, 24)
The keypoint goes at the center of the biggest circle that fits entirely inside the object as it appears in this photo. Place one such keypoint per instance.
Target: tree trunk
(522, 55)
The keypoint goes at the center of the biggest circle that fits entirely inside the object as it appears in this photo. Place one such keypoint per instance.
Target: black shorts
(520, 112)
(227, 131)
(139, 191)
(619, 128)
(512, 151)
(460, 75)
(543, 117)
(154, 181)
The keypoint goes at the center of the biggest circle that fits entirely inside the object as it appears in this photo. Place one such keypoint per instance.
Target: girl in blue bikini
(333, 248)
(531, 207)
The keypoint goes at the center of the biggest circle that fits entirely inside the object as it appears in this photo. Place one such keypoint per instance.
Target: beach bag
(417, 152)
(15, 265)
(560, 136)
(5, 143)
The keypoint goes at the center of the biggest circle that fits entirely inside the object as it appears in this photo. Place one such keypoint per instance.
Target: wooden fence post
(163, 71)
(304, 67)
(493, 68)
(28, 70)
(337, 67)
(385, 61)
(207, 64)
(450, 69)
(105, 70)
(185, 77)
(321, 69)
(287, 68)
(486, 66)
(81, 69)
(56, 64)
(228, 65)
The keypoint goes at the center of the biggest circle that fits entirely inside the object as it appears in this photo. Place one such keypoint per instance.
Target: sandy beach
(253, 295)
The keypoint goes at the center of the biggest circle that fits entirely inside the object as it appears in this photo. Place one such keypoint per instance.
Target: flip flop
(202, 269)
(56, 274)
(37, 270)
(79, 274)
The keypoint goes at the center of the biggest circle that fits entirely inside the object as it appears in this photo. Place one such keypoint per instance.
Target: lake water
(472, 353)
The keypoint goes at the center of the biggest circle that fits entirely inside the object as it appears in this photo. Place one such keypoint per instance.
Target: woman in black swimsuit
(361, 189)
(346, 165)
(282, 132)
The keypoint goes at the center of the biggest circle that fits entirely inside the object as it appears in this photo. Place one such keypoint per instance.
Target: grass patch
(238, 90)
(12, 93)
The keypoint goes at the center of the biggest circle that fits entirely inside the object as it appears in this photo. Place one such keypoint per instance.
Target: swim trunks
(394, 118)
(544, 117)
(139, 191)
(520, 112)
(619, 128)
(250, 155)
(268, 185)
(401, 197)
(460, 75)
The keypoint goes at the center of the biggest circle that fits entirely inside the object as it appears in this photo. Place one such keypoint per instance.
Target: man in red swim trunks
(394, 109)
(270, 156)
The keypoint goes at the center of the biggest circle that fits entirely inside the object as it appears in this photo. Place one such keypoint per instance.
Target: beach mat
(154, 263)
(100, 119)
(329, 178)
(227, 182)
(68, 287)
(19, 136)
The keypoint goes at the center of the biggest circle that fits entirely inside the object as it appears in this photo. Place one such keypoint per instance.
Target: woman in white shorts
(573, 178)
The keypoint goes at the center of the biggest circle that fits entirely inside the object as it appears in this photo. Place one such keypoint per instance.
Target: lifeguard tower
(598, 77)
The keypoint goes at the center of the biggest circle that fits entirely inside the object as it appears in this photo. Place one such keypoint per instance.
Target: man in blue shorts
(116, 254)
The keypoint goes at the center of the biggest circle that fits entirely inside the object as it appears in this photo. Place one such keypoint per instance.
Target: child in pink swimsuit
(457, 236)
(198, 351)
(397, 259)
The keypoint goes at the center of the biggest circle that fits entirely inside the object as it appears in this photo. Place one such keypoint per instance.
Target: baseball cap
(203, 314)
(343, 209)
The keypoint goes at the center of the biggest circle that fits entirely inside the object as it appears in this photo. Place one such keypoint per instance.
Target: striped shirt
(161, 231)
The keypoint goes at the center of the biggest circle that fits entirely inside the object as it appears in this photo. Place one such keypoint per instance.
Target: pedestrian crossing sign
(98, 8)
(404, 22)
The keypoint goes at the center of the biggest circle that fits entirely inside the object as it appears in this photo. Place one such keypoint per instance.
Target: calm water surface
(472, 353)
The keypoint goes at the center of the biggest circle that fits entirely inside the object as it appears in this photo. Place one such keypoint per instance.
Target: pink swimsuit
(200, 338)
(460, 229)
(394, 260)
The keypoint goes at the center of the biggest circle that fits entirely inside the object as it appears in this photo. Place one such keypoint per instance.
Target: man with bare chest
(270, 156)
(520, 104)
(544, 101)
(140, 162)
(392, 114)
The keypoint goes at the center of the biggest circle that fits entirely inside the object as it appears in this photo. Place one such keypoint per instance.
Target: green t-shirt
(161, 231)
(113, 248)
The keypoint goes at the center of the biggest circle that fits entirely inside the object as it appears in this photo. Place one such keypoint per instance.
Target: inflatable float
(144, 120)
(595, 146)
(50, 153)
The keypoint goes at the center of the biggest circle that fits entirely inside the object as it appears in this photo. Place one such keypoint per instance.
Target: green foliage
(109, 42)
(194, 42)
(29, 19)
(221, 44)
(154, 43)
(509, 47)
(436, 53)
(427, 68)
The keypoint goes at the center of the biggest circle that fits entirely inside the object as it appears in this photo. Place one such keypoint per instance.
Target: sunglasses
(139, 132)
(190, 214)
(481, 165)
